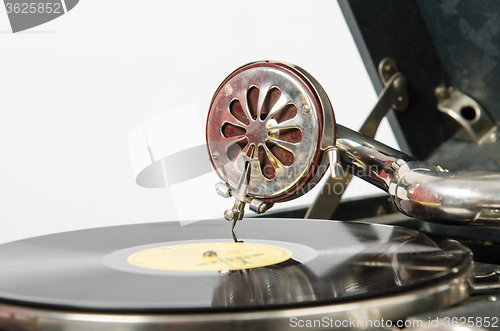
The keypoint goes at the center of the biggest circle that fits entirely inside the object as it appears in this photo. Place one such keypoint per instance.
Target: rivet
(306, 109)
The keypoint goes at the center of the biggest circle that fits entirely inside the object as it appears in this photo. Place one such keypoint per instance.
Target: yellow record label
(215, 256)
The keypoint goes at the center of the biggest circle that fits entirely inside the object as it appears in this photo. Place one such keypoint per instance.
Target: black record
(330, 262)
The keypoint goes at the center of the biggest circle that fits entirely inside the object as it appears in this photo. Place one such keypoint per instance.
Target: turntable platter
(166, 269)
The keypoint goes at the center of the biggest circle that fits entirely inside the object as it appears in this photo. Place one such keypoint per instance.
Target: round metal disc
(270, 115)
(82, 278)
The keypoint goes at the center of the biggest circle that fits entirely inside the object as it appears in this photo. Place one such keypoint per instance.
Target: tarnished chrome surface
(329, 129)
(419, 189)
(367, 158)
(459, 198)
(259, 131)
(275, 120)
(260, 103)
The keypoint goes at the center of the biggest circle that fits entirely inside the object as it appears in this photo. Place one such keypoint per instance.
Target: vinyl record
(166, 267)
(329, 261)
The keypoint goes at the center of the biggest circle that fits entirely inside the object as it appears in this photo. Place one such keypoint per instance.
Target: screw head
(215, 155)
(306, 109)
(388, 68)
(398, 83)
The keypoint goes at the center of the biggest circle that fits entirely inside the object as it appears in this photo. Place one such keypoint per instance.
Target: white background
(72, 90)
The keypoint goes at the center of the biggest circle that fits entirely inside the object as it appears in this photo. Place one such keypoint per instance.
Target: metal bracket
(486, 278)
(393, 96)
(237, 212)
(477, 125)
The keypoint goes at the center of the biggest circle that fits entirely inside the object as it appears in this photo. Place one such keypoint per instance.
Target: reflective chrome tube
(419, 189)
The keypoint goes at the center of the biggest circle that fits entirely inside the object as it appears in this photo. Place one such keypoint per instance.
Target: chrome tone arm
(419, 189)
(367, 158)
(449, 198)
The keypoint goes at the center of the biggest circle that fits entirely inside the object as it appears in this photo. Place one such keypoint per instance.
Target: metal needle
(234, 237)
